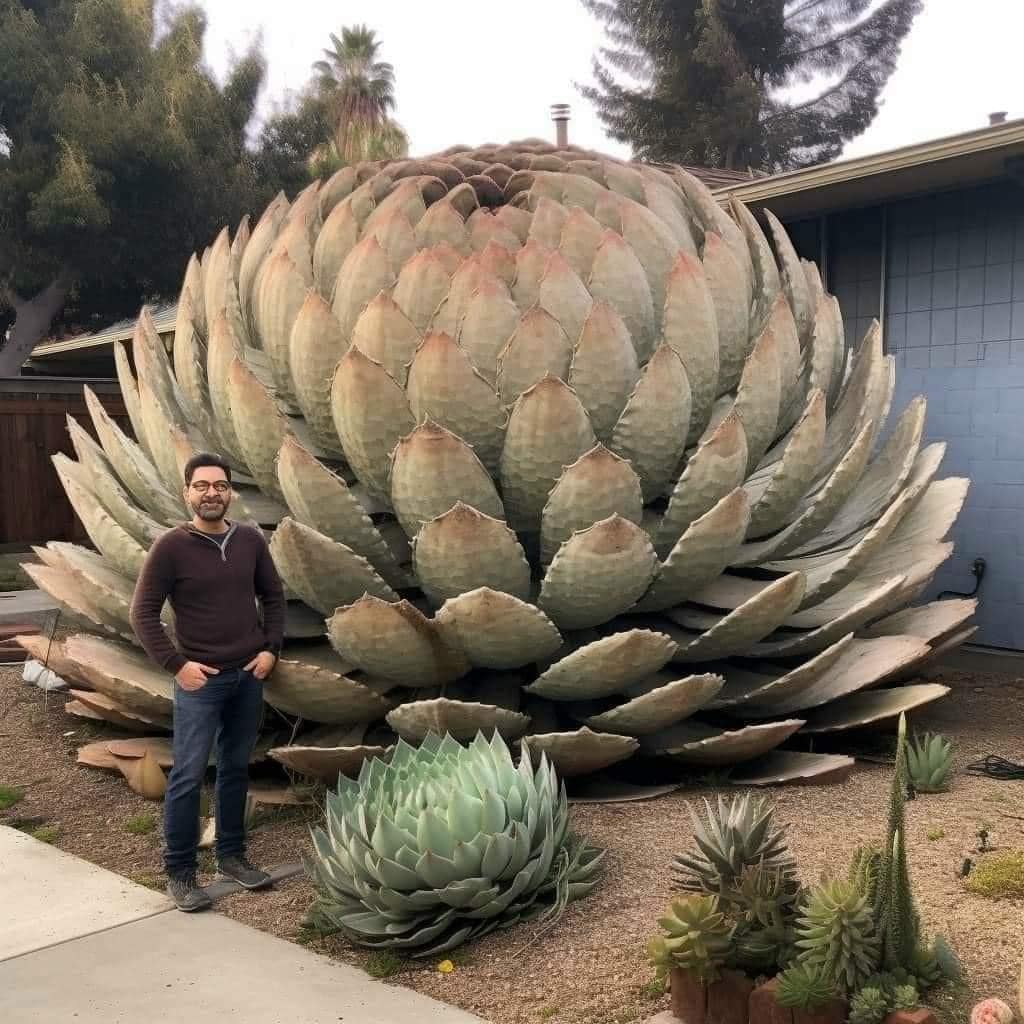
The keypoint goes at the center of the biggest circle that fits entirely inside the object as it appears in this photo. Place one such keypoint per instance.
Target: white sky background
(477, 72)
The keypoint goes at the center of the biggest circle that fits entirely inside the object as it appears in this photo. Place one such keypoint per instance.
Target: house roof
(163, 318)
(969, 158)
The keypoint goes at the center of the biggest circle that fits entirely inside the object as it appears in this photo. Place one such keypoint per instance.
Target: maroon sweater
(213, 589)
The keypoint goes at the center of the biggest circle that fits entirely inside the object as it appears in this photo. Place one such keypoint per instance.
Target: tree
(710, 81)
(360, 92)
(119, 156)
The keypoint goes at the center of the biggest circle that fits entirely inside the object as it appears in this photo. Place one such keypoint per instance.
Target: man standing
(212, 571)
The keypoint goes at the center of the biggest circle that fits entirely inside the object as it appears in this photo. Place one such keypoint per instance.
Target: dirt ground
(591, 967)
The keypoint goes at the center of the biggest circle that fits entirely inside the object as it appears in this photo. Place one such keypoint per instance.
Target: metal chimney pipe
(999, 117)
(560, 115)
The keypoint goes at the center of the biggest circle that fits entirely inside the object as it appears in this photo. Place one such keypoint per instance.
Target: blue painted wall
(954, 320)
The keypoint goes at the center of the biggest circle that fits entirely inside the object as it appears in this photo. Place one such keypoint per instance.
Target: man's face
(209, 494)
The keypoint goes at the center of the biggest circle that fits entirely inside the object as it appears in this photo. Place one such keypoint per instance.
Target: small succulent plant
(947, 961)
(835, 931)
(868, 1006)
(697, 937)
(740, 833)
(444, 843)
(991, 1011)
(905, 997)
(803, 987)
(929, 760)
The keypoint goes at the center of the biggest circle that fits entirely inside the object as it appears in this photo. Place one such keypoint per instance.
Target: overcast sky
(480, 72)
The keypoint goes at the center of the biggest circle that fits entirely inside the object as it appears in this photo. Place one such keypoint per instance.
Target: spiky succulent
(868, 1006)
(696, 937)
(741, 855)
(493, 399)
(944, 958)
(444, 843)
(865, 867)
(929, 762)
(835, 932)
(803, 986)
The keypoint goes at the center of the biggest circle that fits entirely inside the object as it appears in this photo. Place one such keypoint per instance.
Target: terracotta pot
(689, 996)
(729, 999)
(763, 1009)
(921, 1015)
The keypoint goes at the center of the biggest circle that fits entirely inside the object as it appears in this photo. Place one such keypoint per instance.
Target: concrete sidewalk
(80, 944)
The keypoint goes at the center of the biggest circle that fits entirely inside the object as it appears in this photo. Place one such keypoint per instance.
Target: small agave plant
(929, 761)
(444, 843)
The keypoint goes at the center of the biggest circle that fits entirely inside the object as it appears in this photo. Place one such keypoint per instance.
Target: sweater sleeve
(155, 583)
(271, 594)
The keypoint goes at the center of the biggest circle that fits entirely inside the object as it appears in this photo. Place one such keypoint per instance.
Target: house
(929, 239)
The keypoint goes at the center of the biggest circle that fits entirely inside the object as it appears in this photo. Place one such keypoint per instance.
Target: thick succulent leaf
(123, 673)
(314, 348)
(690, 328)
(727, 283)
(464, 549)
(581, 752)
(604, 368)
(616, 277)
(313, 684)
(259, 425)
(598, 573)
(873, 707)
(279, 297)
(538, 347)
(490, 319)
(396, 642)
(705, 745)
(606, 666)
(322, 500)
(597, 485)
(443, 386)
(651, 432)
(371, 414)
(461, 719)
(701, 553)
(497, 630)
(547, 430)
(713, 471)
(324, 573)
(432, 470)
(672, 701)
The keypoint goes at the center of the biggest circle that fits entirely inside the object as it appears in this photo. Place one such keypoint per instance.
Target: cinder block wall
(954, 319)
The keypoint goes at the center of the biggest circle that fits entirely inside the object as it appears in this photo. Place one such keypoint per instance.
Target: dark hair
(205, 459)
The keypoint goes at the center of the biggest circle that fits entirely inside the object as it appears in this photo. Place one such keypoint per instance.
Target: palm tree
(361, 91)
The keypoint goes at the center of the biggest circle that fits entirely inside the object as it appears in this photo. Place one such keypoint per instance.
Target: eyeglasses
(202, 486)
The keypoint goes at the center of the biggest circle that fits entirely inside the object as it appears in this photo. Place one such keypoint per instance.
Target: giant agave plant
(444, 843)
(550, 444)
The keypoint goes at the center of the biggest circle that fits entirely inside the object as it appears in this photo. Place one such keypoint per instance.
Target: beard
(210, 510)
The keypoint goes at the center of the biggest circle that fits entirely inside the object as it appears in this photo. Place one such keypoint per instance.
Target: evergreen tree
(120, 155)
(708, 82)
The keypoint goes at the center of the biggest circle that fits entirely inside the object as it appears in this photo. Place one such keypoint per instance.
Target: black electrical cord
(995, 767)
(978, 572)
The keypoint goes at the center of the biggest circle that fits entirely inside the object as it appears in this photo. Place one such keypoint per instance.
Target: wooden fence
(33, 410)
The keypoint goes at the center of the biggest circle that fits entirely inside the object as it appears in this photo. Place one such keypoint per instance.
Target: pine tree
(707, 80)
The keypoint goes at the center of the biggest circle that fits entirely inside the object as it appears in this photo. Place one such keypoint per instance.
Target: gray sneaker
(187, 893)
(247, 875)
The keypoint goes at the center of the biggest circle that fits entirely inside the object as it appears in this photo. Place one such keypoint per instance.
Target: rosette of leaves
(697, 938)
(868, 1006)
(803, 986)
(835, 932)
(929, 762)
(494, 399)
(444, 843)
(740, 834)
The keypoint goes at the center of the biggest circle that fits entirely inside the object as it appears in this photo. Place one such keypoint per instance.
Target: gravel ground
(590, 968)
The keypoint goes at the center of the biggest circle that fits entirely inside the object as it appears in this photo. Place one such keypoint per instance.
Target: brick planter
(689, 997)
(831, 1013)
(763, 1009)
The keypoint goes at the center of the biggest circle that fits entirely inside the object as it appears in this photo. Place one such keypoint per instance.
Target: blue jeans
(228, 709)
